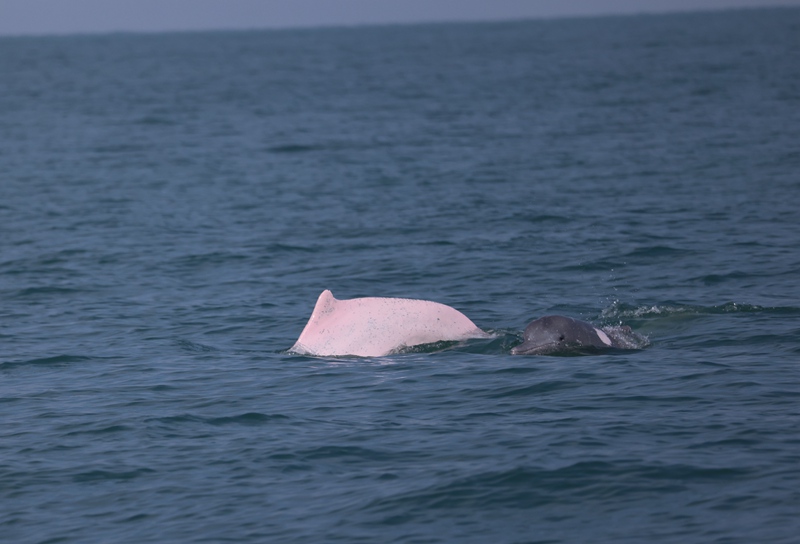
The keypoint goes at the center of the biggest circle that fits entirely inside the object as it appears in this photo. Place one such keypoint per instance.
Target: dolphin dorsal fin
(326, 303)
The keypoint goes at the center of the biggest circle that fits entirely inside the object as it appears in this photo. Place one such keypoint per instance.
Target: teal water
(171, 205)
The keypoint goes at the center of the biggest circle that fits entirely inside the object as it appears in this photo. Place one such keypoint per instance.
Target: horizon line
(378, 24)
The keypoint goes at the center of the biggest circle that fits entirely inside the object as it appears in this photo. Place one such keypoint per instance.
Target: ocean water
(171, 206)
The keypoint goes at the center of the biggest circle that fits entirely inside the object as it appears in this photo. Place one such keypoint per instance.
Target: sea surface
(172, 205)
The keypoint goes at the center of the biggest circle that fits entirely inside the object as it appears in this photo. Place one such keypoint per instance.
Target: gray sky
(82, 16)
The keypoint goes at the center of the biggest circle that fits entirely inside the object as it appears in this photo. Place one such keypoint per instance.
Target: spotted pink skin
(373, 327)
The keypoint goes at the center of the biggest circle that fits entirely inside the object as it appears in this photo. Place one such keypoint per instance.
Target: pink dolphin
(371, 327)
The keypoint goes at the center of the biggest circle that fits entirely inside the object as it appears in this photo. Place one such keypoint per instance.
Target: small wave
(433, 347)
(714, 279)
(120, 148)
(292, 148)
(45, 290)
(601, 265)
(496, 342)
(152, 120)
(659, 252)
(349, 452)
(196, 260)
(525, 487)
(195, 346)
(536, 389)
(619, 312)
(57, 360)
(104, 475)
(542, 218)
(110, 429)
(279, 247)
(247, 418)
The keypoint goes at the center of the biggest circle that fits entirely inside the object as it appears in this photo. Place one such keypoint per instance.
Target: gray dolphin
(557, 333)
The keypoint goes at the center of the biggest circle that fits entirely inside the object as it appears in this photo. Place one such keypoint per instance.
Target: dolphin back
(375, 326)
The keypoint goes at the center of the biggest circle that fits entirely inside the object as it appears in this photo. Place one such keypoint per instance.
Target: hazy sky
(80, 16)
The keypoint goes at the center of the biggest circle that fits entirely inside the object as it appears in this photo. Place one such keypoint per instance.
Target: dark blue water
(171, 205)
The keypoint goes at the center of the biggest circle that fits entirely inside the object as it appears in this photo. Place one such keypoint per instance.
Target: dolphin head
(542, 335)
(554, 333)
